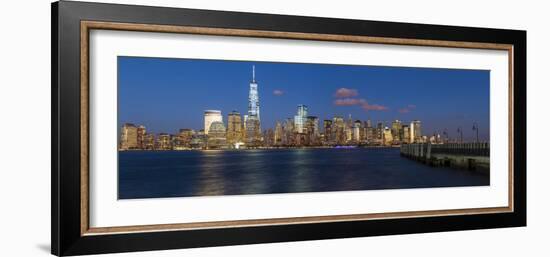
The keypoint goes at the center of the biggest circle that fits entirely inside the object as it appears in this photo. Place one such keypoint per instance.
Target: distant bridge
(470, 156)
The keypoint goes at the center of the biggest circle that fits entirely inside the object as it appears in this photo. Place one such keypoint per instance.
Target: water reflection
(196, 173)
(211, 181)
(301, 172)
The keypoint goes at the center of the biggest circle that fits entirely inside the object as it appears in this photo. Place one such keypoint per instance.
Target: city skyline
(186, 88)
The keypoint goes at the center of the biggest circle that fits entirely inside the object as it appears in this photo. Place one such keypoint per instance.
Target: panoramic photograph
(193, 127)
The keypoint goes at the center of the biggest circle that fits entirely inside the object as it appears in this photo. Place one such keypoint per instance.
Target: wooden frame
(71, 24)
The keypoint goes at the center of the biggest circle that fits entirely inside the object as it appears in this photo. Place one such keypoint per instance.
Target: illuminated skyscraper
(234, 128)
(140, 136)
(300, 118)
(278, 134)
(132, 137)
(217, 135)
(387, 138)
(269, 137)
(253, 97)
(405, 134)
(349, 129)
(288, 132)
(357, 131)
(370, 134)
(327, 132)
(129, 137)
(209, 117)
(396, 130)
(252, 120)
(380, 130)
(416, 131)
(312, 130)
(338, 128)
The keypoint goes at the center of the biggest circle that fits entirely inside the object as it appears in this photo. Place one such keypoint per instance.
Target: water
(152, 174)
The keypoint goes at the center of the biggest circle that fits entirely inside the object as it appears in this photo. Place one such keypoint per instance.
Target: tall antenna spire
(253, 73)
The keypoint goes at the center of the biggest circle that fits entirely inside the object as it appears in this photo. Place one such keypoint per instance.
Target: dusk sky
(165, 95)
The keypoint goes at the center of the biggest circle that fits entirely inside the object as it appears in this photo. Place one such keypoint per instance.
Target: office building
(164, 142)
(356, 137)
(300, 118)
(416, 131)
(129, 137)
(278, 134)
(217, 136)
(235, 129)
(209, 117)
(405, 134)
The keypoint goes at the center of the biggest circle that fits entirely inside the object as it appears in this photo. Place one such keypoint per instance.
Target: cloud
(345, 92)
(349, 101)
(346, 97)
(278, 92)
(373, 107)
(407, 109)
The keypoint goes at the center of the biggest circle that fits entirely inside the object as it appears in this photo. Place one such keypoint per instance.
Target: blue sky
(165, 94)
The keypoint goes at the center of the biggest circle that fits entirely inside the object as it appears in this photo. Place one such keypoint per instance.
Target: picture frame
(71, 26)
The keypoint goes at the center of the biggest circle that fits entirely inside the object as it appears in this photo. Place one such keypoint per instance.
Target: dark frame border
(67, 238)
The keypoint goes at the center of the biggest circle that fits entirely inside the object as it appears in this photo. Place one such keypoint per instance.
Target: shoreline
(262, 148)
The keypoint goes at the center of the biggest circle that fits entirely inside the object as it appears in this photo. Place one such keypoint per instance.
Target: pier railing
(426, 149)
(470, 149)
(471, 156)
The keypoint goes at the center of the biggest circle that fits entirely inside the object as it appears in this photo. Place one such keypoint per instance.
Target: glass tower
(252, 120)
(253, 98)
(300, 118)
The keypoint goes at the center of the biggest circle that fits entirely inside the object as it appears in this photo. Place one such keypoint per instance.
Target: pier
(469, 156)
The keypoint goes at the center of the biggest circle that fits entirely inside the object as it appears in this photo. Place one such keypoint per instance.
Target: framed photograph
(178, 128)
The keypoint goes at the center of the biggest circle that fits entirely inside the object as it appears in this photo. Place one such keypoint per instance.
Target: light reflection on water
(301, 176)
(147, 174)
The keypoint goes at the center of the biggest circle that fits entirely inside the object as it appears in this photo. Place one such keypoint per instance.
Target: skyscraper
(387, 138)
(300, 118)
(253, 97)
(312, 130)
(141, 131)
(269, 137)
(288, 132)
(338, 128)
(416, 131)
(357, 131)
(380, 130)
(234, 128)
(396, 128)
(209, 117)
(278, 134)
(252, 120)
(327, 131)
(129, 137)
(217, 135)
(349, 129)
(405, 134)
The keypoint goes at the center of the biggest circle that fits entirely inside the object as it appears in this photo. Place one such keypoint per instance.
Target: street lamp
(476, 128)
(459, 131)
